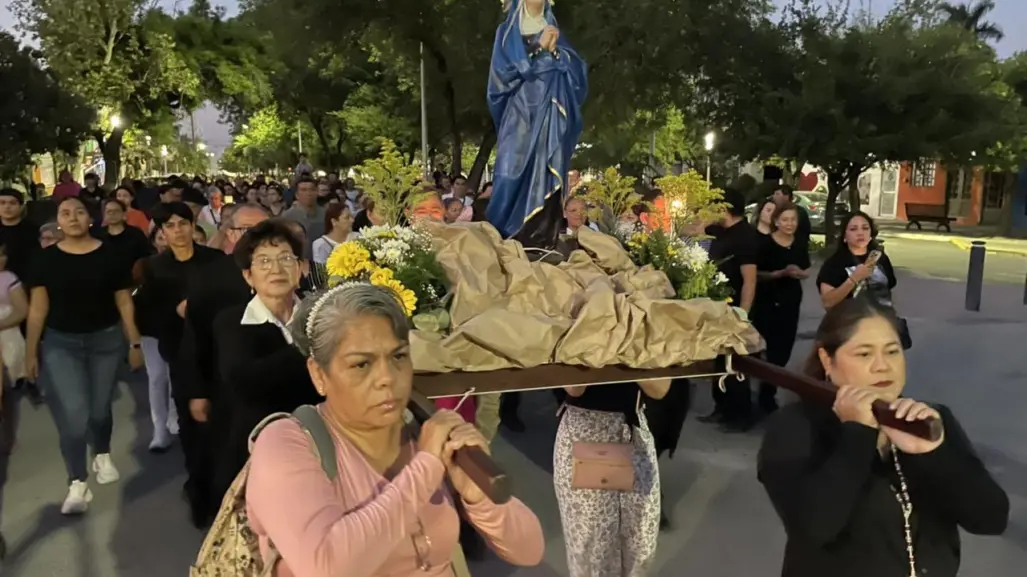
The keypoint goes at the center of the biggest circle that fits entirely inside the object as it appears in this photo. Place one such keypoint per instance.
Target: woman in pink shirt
(390, 510)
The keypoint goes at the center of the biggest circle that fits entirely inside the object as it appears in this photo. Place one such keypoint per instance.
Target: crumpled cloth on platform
(595, 309)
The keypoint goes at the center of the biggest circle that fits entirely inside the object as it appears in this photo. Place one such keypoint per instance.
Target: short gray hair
(318, 337)
(248, 206)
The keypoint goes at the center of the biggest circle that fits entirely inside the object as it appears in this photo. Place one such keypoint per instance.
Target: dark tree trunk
(481, 160)
(111, 149)
(449, 92)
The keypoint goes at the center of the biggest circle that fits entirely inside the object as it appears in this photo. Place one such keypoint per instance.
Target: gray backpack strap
(324, 444)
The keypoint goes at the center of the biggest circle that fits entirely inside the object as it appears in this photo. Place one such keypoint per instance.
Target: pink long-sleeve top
(362, 525)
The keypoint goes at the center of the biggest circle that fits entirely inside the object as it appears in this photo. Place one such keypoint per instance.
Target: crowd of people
(218, 289)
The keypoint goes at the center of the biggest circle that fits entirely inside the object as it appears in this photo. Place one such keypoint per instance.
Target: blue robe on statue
(535, 99)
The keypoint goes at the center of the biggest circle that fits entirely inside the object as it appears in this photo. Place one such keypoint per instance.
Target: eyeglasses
(422, 547)
(266, 263)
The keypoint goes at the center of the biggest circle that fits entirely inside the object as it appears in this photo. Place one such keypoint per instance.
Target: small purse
(604, 466)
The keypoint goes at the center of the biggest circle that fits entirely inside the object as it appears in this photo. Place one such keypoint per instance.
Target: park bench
(917, 213)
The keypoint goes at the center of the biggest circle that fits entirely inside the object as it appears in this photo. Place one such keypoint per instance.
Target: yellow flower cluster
(383, 277)
(351, 261)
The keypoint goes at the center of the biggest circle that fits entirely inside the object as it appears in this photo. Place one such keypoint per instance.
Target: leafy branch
(390, 182)
(610, 196)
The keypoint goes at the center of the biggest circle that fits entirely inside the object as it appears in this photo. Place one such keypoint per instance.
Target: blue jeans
(80, 372)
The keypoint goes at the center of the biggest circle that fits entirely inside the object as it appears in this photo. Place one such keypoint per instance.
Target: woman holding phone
(858, 266)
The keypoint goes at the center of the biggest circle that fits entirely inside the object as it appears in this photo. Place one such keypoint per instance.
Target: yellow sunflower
(349, 260)
(406, 296)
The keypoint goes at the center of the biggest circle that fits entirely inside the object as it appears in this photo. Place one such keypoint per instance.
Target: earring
(827, 377)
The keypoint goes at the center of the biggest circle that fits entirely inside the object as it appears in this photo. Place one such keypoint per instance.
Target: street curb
(965, 245)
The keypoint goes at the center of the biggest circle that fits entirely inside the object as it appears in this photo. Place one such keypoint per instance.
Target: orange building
(970, 195)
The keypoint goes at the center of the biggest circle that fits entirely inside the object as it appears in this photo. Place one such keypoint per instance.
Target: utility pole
(424, 118)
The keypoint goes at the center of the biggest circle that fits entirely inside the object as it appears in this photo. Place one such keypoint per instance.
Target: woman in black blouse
(847, 273)
(609, 533)
(129, 242)
(858, 499)
(81, 298)
(781, 266)
(262, 372)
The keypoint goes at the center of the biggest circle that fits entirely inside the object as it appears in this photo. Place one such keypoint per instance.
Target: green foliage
(844, 95)
(687, 266)
(390, 182)
(610, 196)
(37, 114)
(691, 199)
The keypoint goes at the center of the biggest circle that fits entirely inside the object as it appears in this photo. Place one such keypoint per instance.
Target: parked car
(815, 205)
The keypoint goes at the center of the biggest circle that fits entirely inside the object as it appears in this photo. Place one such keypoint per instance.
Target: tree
(102, 51)
(37, 115)
(971, 16)
(845, 96)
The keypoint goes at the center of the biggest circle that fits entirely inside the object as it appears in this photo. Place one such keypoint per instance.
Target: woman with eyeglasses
(261, 371)
(390, 510)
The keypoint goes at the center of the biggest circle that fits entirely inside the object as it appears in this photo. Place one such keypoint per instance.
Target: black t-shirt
(785, 291)
(732, 248)
(131, 244)
(616, 398)
(80, 287)
(21, 243)
(837, 269)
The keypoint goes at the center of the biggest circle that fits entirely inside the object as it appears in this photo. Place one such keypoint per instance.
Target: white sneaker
(78, 499)
(104, 468)
(173, 425)
(161, 441)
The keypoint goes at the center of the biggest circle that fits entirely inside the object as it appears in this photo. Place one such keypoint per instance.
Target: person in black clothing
(162, 297)
(129, 242)
(781, 266)
(859, 499)
(481, 203)
(849, 272)
(261, 371)
(81, 297)
(785, 194)
(366, 217)
(195, 378)
(92, 196)
(735, 247)
(20, 237)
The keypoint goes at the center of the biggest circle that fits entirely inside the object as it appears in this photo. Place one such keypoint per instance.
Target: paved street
(723, 524)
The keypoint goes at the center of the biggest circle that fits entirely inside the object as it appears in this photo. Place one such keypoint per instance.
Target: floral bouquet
(402, 259)
(399, 257)
(686, 264)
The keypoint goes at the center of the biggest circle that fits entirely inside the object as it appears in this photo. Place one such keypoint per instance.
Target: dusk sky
(1011, 15)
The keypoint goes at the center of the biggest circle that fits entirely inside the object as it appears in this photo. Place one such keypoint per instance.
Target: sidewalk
(961, 237)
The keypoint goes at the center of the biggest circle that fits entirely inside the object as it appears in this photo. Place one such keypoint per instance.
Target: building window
(923, 173)
(995, 185)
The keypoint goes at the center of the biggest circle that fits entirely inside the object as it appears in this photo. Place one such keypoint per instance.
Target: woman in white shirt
(339, 224)
(211, 214)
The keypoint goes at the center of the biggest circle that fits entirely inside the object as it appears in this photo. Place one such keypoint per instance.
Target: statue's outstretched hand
(550, 34)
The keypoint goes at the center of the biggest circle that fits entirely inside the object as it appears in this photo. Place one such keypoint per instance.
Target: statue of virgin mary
(537, 84)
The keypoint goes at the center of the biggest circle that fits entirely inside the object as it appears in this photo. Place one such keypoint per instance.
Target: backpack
(231, 548)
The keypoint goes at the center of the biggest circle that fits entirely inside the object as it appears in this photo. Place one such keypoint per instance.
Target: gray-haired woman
(388, 511)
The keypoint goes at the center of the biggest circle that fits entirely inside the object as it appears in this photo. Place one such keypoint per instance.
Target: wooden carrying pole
(810, 388)
(478, 465)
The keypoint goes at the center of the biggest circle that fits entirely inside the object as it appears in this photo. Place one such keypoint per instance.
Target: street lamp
(710, 140)
(201, 146)
(164, 157)
(115, 121)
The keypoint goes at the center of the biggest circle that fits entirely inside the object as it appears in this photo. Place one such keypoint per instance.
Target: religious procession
(336, 370)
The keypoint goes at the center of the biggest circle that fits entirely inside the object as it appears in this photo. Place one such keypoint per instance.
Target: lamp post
(164, 158)
(115, 121)
(710, 141)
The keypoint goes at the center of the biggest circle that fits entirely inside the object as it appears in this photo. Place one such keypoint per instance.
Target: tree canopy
(844, 95)
(36, 114)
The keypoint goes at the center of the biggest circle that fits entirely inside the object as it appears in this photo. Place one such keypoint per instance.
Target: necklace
(902, 496)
